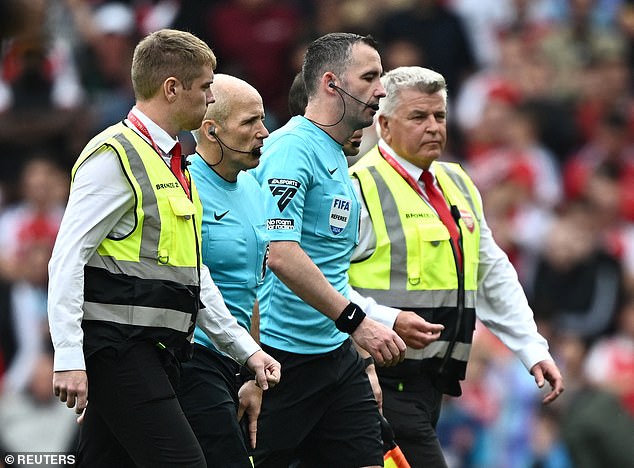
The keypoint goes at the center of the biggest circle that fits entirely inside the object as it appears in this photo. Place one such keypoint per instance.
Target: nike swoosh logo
(218, 217)
(351, 315)
(332, 171)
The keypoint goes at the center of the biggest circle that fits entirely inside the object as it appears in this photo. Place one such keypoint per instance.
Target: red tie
(440, 205)
(176, 165)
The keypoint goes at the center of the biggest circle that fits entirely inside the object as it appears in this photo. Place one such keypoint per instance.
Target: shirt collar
(162, 139)
(410, 168)
(323, 134)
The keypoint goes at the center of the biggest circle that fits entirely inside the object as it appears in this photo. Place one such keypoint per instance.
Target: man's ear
(169, 88)
(383, 125)
(330, 81)
(209, 127)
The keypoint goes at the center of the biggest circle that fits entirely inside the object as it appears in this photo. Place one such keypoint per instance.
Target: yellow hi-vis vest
(413, 266)
(145, 285)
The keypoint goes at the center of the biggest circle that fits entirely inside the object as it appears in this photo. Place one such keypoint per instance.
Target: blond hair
(165, 53)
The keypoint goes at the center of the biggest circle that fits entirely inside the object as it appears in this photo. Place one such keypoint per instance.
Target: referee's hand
(383, 344)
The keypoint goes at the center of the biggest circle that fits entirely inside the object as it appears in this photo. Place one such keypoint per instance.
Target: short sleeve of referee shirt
(285, 173)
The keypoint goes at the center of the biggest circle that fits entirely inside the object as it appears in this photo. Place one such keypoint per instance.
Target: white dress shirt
(502, 305)
(101, 203)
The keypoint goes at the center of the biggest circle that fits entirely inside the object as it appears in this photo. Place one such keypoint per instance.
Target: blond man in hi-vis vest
(127, 284)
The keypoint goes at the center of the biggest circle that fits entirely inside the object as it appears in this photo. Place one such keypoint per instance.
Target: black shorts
(322, 412)
(208, 394)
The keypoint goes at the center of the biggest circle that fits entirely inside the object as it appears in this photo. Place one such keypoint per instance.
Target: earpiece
(212, 131)
(331, 84)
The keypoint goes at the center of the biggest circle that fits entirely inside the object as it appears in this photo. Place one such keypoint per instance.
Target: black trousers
(412, 406)
(208, 394)
(133, 417)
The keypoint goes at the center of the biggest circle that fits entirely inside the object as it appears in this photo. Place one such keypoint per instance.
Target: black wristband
(350, 318)
(368, 361)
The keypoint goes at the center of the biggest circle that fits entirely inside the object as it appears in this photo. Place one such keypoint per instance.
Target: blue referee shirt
(313, 203)
(234, 239)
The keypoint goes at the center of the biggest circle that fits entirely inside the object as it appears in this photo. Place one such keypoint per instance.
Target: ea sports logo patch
(339, 214)
(284, 190)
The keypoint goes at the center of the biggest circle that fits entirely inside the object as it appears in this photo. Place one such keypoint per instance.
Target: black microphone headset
(374, 107)
(331, 84)
(212, 131)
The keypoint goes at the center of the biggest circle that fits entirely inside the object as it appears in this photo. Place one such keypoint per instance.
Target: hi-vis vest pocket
(182, 207)
(433, 234)
(181, 223)
(436, 257)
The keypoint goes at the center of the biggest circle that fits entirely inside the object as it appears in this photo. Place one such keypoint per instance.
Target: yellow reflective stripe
(138, 315)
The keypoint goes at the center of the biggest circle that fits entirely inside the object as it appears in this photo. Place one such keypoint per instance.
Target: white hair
(417, 78)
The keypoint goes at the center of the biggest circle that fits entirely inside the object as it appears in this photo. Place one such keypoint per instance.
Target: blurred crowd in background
(541, 113)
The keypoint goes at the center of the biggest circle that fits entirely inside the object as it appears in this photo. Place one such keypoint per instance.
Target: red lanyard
(404, 174)
(441, 207)
(143, 129)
